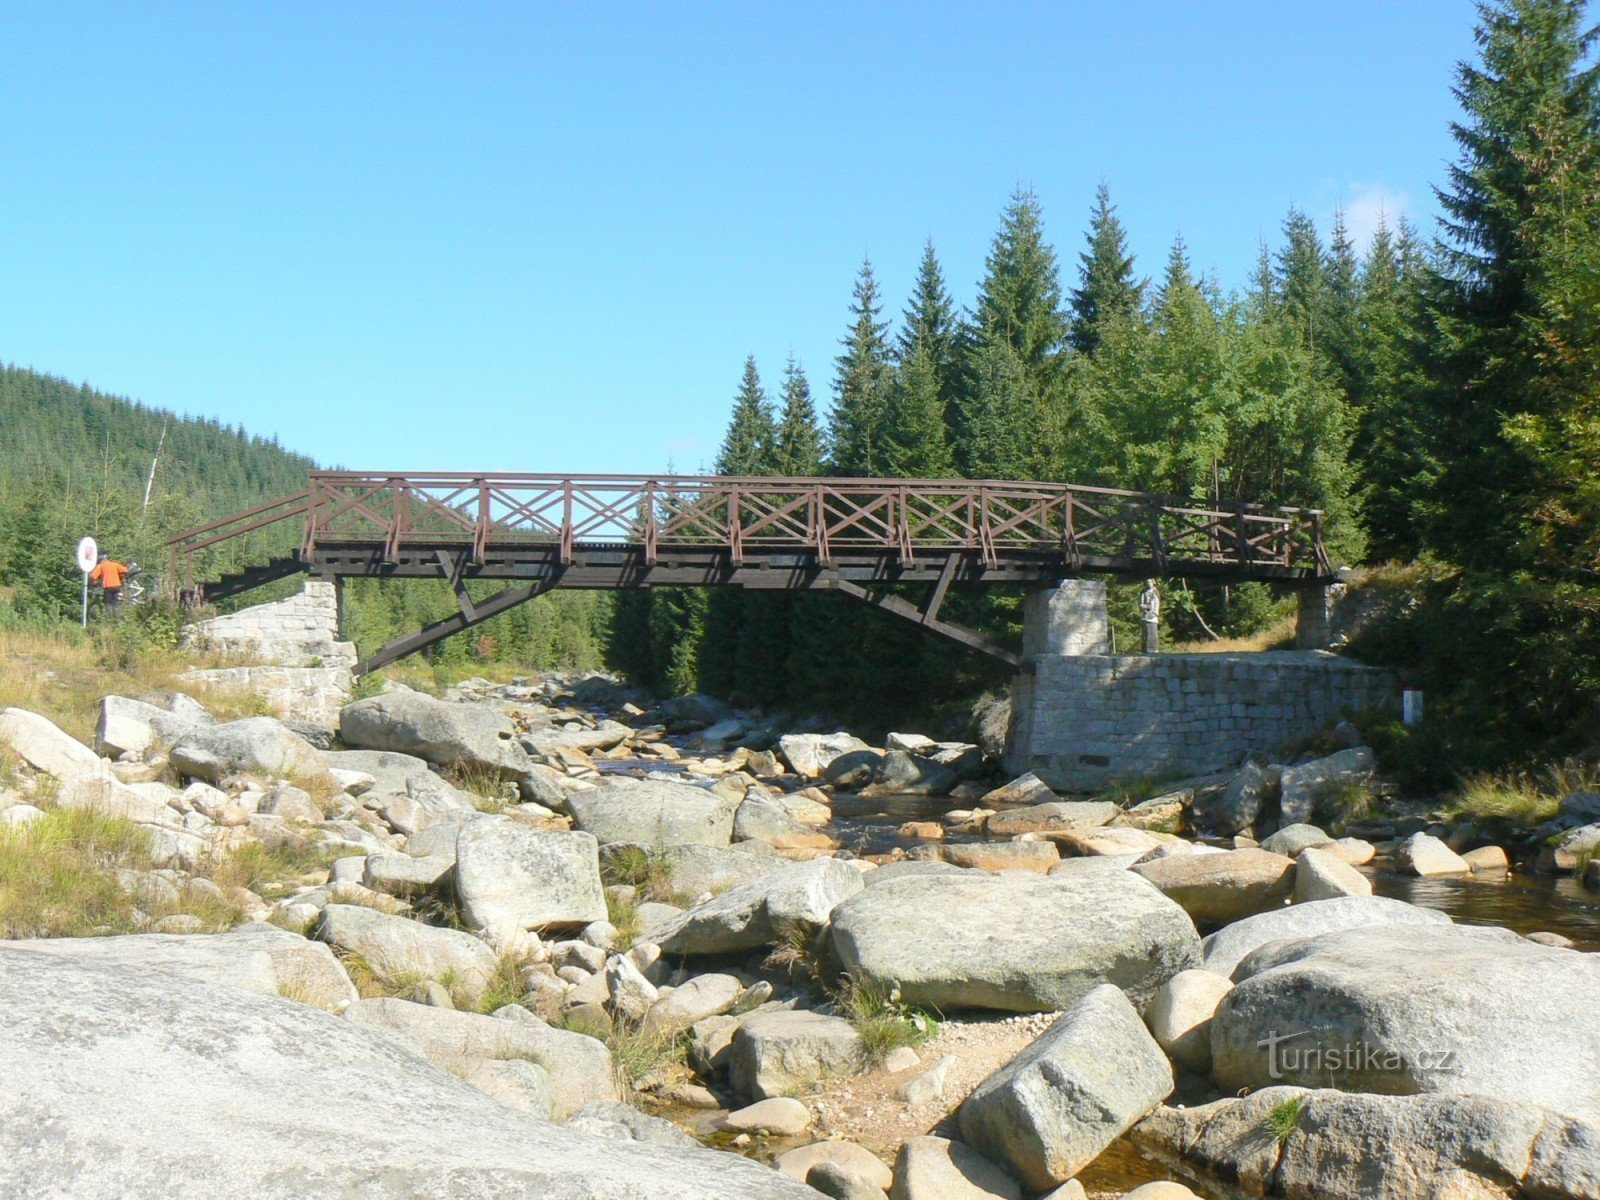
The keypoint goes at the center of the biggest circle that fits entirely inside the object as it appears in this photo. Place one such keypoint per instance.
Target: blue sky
(544, 238)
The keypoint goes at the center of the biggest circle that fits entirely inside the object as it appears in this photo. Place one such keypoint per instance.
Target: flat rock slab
(259, 958)
(44, 747)
(1229, 946)
(1015, 942)
(580, 1067)
(511, 876)
(1055, 815)
(1079, 1086)
(796, 898)
(1367, 1147)
(1432, 1009)
(449, 734)
(993, 856)
(245, 1097)
(654, 813)
(1216, 889)
(783, 1053)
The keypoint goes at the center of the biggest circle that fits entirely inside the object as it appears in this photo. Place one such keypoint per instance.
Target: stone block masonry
(1084, 721)
(289, 652)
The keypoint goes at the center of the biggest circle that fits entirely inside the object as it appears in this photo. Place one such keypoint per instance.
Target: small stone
(798, 1163)
(1425, 855)
(1486, 860)
(935, 1168)
(927, 1087)
(902, 1058)
(1321, 876)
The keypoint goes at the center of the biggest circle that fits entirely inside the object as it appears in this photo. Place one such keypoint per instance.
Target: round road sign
(88, 552)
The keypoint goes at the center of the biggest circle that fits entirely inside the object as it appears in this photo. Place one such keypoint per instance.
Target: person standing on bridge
(109, 574)
(1150, 616)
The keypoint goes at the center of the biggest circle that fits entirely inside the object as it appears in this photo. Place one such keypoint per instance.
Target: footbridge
(862, 538)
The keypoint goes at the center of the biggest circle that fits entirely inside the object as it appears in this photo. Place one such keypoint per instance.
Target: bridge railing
(755, 515)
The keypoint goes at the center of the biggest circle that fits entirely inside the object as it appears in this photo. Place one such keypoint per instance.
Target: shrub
(883, 1021)
(1284, 1117)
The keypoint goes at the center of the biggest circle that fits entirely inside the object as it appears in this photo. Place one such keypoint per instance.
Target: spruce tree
(1107, 289)
(917, 446)
(1019, 302)
(797, 445)
(858, 425)
(1510, 335)
(1010, 413)
(934, 329)
(747, 447)
(1302, 279)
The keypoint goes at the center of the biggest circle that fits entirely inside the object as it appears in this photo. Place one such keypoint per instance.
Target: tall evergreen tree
(1302, 277)
(748, 446)
(1019, 302)
(934, 330)
(858, 425)
(1107, 289)
(1010, 405)
(797, 444)
(917, 446)
(1510, 333)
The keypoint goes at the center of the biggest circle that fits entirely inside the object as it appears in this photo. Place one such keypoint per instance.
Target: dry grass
(1524, 798)
(63, 675)
(259, 866)
(1276, 637)
(58, 878)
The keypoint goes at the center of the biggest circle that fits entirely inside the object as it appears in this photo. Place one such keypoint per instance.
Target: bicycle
(139, 587)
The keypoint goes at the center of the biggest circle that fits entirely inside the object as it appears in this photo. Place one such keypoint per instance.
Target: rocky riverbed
(555, 938)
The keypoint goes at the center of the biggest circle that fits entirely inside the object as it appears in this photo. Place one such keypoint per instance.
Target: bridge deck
(628, 531)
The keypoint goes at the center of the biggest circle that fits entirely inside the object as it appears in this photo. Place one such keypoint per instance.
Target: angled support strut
(482, 610)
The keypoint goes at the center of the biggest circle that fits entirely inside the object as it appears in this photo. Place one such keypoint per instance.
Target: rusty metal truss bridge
(858, 537)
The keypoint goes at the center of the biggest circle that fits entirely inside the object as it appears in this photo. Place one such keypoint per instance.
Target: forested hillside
(1438, 396)
(74, 461)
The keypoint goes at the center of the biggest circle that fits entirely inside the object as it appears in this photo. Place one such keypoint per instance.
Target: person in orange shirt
(109, 574)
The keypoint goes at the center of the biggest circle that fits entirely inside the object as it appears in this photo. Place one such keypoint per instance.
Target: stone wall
(1082, 721)
(288, 652)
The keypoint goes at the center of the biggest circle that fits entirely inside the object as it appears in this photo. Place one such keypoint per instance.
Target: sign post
(87, 553)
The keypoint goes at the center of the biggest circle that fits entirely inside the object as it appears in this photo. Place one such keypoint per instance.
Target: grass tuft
(884, 1022)
(1284, 1117)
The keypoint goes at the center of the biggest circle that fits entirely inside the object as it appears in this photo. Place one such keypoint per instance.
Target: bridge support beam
(928, 618)
(1067, 619)
(472, 613)
(1313, 622)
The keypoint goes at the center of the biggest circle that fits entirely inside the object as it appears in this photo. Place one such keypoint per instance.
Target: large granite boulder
(1366, 1147)
(654, 812)
(401, 952)
(1234, 807)
(1179, 1017)
(781, 1053)
(44, 747)
(809, 754)
(1228, 947)
(1015, 942)
(1078, 1087)
(935, 1168)
(1304, 785)
(1404, 1010)
(795, 899)
(128, 726)
(1319, 875)
(448, 734)
(150, 1090)
(251, 746)
(1215, 889)
(510, 876)
(258, 958)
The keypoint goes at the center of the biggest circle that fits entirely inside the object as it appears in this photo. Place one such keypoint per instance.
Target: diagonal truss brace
(473, 612)
(928, 618)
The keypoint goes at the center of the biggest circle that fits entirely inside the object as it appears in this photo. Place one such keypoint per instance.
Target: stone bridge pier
(1084, 717)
